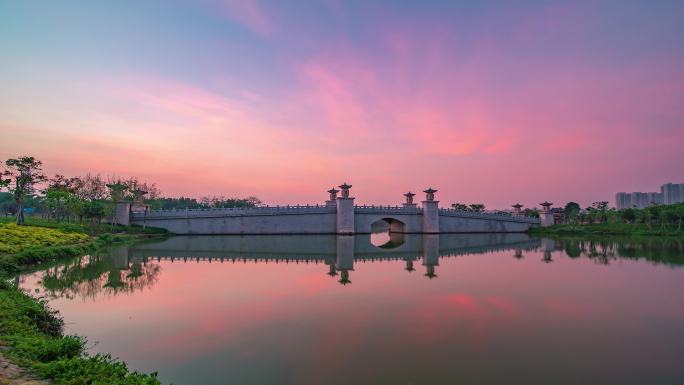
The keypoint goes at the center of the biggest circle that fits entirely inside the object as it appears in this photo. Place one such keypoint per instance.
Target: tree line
(654, 216)
(89, 198)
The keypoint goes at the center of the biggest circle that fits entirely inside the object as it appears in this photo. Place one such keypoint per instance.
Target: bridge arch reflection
(388, 233)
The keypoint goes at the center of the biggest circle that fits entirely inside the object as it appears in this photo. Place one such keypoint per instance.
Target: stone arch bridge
(339, 215)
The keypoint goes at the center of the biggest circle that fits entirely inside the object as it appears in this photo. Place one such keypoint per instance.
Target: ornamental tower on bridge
(409, 200)
(430, 212)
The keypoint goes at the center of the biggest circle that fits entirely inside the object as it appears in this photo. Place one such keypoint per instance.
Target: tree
(5, 179)
(628, 215)
(599, 210)
(678, 212)
(534, 213)
(477, 207)
(571, 210)
(27, 172)
(459, 206)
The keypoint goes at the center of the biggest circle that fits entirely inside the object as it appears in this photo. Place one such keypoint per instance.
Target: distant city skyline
(492, 103)
(670, 193)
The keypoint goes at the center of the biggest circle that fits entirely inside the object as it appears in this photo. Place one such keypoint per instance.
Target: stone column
(122, 213)
(430, 212)
(545, 215)
(345, 211)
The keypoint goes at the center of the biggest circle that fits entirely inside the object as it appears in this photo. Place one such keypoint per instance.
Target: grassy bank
(42, 241)
(32, 333)
(609, 229)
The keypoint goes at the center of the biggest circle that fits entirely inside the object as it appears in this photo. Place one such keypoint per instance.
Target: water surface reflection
(449, 309)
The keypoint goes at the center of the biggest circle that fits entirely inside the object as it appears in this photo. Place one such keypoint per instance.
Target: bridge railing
(487, 215)
(392, 209)
(317, 208)
(235, 211)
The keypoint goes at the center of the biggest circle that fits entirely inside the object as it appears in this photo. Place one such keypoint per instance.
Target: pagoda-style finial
(345, 189)
(430, 194)
(333, 193)
(409, 197)
(546, 205)
(344, 277)
(517, 207)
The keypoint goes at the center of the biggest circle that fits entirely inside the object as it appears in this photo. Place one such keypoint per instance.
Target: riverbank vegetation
(659, 220)
(605, 249)
(64, 219)
(31, 334)
(42, 241)
(14, 239)
(87, 199)
(49, 219)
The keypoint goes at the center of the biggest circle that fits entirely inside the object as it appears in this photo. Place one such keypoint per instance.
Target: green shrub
(47, 349)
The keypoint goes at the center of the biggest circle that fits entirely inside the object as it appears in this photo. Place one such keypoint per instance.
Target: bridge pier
(430, 212)
(546, 215)
(345, 211)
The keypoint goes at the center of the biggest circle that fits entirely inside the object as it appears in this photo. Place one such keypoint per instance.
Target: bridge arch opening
(388, 233)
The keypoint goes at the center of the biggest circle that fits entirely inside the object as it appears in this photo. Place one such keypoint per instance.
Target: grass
(34, 334)
(609, 229)
(14, 239)
(85, 228)
(30, 329)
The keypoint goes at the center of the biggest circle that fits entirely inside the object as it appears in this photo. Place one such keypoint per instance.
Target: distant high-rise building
(623, 200)
(655, 198)
(671, 193)
(639, 200)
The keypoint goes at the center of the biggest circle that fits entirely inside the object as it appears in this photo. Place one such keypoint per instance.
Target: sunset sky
(492, 102)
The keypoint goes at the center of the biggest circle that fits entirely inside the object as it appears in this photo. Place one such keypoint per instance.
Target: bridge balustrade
(234, 211)
(485, 215)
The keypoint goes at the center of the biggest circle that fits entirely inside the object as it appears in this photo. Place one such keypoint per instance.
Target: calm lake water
(431, 309)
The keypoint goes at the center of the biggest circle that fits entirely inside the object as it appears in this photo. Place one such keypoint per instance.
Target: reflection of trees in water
(657, 250)
(89, 276)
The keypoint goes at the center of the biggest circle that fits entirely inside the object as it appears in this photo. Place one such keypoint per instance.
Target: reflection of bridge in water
(339, 252)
